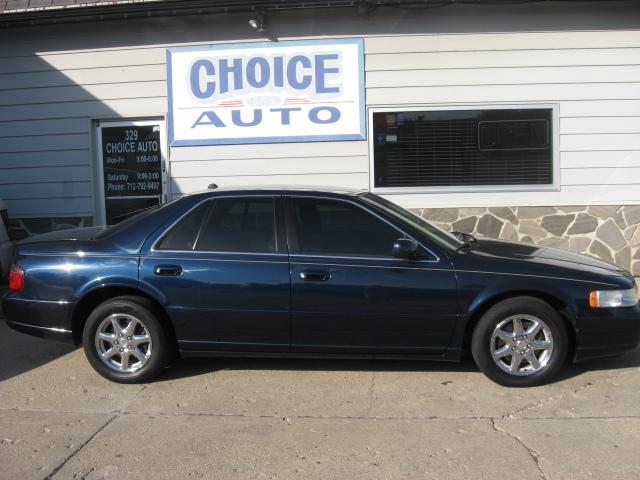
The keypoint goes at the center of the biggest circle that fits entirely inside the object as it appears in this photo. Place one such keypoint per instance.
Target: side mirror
(404, 248)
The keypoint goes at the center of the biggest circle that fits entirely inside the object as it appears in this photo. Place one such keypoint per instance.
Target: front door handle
(315, 275)
(167, 270)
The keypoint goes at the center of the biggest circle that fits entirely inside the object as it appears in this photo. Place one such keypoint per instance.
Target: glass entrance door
(132, 168)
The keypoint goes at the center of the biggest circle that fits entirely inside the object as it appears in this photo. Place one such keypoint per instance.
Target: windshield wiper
(469, 242)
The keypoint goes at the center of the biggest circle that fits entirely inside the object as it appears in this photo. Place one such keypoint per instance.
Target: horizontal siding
(595, 107)
(503, 76)
(603, 159)
(502, 93)
(600, 141)
(503, 59)
(275, 166)
(352, 180)
(600, 176)
(45, 190)
(36, 160)
(48, 99)
(128, 107)
(83, 60)
(31, 128)
(29, 176)
(502, 41)
(591, 77)
(600, 125)
(51, 207)
(276, 150)
(43, 143)
(84, 76)
(77, 93)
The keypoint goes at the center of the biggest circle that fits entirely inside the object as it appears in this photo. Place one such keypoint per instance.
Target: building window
(463, 148)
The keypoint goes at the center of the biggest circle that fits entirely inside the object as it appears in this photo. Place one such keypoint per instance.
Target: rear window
(119, 226)
(183, 236)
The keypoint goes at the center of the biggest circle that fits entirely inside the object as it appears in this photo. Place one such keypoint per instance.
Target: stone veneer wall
(611, 233)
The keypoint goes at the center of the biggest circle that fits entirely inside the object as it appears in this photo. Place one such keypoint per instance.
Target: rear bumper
(45, 319)
(607, 332)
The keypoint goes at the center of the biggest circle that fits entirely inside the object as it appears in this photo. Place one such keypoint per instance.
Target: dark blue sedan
(307, 272)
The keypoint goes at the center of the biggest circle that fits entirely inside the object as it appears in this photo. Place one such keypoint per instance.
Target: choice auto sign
(266, 92)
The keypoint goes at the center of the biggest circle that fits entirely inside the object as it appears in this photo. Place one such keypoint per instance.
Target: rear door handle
(315, 275)
(167, 270)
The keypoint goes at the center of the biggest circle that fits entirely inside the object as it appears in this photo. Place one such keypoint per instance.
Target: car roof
(280, 189)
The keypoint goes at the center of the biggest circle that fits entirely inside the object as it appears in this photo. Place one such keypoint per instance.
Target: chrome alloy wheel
(123, 343)
(521, 345)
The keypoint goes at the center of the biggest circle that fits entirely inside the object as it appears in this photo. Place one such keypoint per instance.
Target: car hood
(540, 254)
(71, 234)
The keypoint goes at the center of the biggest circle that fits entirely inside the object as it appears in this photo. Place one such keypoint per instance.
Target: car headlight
(613, 298)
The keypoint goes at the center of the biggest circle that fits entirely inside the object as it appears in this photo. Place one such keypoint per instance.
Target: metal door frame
(100, 205)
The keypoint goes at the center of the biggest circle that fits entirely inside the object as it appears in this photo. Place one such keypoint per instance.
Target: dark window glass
(436, 234)
(184, 234)
(110, 230)
(444, 148)
(240, 225)
(340, 228)
(513, 135)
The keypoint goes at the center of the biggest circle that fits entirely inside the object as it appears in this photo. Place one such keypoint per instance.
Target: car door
(224, 274)
(350, 295)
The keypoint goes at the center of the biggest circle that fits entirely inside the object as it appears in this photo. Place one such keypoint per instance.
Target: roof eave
(86, 13)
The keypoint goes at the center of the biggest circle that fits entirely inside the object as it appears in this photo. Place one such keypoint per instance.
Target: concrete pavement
(324, 419)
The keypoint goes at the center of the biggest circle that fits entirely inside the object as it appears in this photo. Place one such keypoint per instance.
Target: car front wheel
(520, 342)
(124, 341)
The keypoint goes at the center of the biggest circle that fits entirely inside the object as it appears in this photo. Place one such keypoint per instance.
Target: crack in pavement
(117, 415)
(535, 456)
(371, 397)
(82, 445)
(326, 417)
(561, 396)
(540, 403)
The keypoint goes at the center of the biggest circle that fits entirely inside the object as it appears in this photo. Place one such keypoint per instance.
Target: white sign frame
(351, 118)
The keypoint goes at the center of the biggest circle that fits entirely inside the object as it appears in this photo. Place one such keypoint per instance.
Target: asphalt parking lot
(324, 419)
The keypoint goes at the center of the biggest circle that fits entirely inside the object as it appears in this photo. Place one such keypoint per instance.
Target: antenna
(212, 186)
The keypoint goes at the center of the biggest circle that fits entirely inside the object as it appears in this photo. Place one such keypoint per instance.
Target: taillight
(16, 278)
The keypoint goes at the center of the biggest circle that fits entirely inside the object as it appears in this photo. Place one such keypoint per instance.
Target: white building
(510, 119)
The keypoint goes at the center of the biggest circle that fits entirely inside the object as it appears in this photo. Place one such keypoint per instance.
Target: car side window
(183, 235)
(332, 227)
(240, 225)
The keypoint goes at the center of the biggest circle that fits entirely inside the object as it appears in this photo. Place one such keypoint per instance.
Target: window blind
(463, 148)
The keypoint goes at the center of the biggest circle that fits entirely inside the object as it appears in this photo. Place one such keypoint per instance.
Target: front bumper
(41, 318)
(607, 331)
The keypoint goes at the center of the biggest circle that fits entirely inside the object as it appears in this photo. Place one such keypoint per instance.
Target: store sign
(267, 92)
(131, 162)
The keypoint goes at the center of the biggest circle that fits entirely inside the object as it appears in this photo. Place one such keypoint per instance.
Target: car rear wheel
(124, 341)
(520, 342)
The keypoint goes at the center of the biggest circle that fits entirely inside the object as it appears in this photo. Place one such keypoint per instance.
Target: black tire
(482, 344)
(143, 311)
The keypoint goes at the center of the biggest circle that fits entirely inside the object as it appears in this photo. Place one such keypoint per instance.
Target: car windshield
(440, 237)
